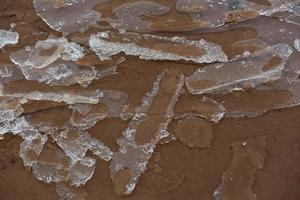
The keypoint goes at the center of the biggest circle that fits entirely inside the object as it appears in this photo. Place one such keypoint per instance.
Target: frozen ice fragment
(68, 17)
(151, 47)
(8, 37)
(297, 44)
(240, 73)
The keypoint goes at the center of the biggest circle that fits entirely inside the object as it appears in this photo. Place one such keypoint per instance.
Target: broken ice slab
(32, 146)
(10, 109)
(50, 62)
(82, 171)
(52, 165)
(67, 163)
(194, 132)
(242, 72)
(85, 116)
(66, 192)
(151, 47)
(194, 106)
(110, 104)
(217, 13)
(75, 144)
(147, 127)
(289, 82)
(46, 52)
(238, 179)
(8, 37)
(68, 16)
(15, 126)
(130, 15)
(10, 72)
(66, 96)
(297, 44)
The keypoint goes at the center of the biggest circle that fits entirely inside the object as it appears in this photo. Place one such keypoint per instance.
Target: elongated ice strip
(151, 47)
(217, 13)
(241, 73)
(147, 127)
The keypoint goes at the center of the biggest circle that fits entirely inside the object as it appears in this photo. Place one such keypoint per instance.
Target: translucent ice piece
(10, 109)
(129, 15)
(46, 52)
(31, 148)
(68, 16)
(289, 82)
(15, 126)
(238, 179)
(66, 192)
(297, 44)
(99, 149)
(217, 13)
(82, 171)
(145, 130)
(74, 143)
(192, 106)
(69, 97)
(52, 165)
(10, 72)
(85, 116)
(241, 73)
(151, 47)
(61, 73)
(8, 37)
(194, 132)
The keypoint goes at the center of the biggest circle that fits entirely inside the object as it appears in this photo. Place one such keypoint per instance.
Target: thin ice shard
(145, 130)
(129, 15)
(289, 82)
(238, 179)
(217, 13)
(151, 47)
(8, 37)
(85, 116)
(240, 73)
(46, 52)
(297, 44)
(82, 171)
(75, 144)
(111, 103)
(50, 62)
(68, 16)
(193, 106)
(194, 132)
(10, 109)
(69, 162)
(69, 97)
(32, 146)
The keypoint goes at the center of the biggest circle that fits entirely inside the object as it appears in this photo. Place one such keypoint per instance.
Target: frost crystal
(8, 37)
(108, 44)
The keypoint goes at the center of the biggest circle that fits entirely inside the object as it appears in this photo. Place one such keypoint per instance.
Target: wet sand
(176, 170)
